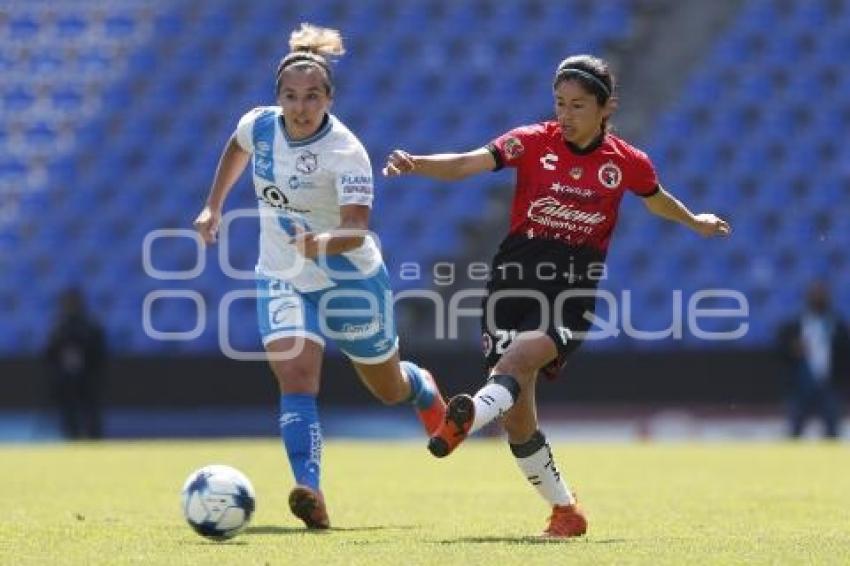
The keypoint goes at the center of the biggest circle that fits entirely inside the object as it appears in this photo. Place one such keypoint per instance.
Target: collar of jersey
(589, 148)
(323, 130)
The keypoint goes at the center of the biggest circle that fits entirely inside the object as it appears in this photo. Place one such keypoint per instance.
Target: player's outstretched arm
(667, 206)
(232, 163)
(442, 166)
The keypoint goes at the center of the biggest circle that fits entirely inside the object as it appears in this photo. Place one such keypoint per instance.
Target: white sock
(536, 462)
(493, 400)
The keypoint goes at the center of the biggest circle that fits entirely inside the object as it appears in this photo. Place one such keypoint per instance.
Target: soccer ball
(218, 501)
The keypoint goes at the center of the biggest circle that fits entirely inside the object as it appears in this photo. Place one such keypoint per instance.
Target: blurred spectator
(75, 354)
(816, 346)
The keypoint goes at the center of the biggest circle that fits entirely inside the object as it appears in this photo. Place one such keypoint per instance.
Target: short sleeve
(643, 180)
(354, 184)
(244, 133)
(509, 149)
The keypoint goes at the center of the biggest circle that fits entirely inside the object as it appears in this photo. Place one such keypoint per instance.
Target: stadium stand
(755, 135)
(113, 114)
(117, 112)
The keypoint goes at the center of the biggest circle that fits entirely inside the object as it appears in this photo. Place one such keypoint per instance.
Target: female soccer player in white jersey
(319, 274)
(572, 174)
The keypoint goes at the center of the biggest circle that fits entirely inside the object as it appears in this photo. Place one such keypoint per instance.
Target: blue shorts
(357, 314)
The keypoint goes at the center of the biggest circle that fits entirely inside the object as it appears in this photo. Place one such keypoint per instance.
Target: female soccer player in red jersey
(572, 173)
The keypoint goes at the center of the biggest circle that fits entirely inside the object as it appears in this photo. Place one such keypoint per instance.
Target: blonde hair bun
(326, 42)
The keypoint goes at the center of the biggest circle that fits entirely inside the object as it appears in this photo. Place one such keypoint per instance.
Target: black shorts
(563, 316)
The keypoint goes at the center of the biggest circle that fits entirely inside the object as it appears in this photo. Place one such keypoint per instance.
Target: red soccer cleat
(566, 521)
(460, 413)
(432, 417)
(309, 505)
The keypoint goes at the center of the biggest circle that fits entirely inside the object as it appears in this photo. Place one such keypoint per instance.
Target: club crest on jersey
(610, 175)
(306, 162)
(576, 173)
(513, 148)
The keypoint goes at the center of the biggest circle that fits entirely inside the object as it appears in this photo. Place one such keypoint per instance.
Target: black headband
(563, 72)
(300, 57)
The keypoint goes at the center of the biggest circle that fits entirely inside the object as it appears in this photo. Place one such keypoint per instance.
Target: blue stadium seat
(162, 124)
(23, 26)
(70, 26)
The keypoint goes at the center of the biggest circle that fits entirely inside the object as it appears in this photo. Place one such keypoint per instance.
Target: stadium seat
(166, 108)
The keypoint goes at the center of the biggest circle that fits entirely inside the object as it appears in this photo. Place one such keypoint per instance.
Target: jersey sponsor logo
(349, 190)
(274, 197)
(576, 173)
(558, 188)
(263, 139)
(512, 148)
(306, 162)
(352, 185)
(346, 179)
(285, 312)
(359, 331)
(550, 212)
(295, 182)
(262, 166)
(610, 175)
(548, 161)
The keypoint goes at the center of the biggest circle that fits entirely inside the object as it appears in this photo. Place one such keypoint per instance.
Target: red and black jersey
(567, 199)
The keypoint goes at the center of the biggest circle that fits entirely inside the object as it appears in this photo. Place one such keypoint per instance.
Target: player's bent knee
(516, 364)
(525, 357)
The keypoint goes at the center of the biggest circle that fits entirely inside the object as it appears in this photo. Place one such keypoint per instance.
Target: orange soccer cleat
(309, 505)
(460, 413)
(432, 417)
(566, 521)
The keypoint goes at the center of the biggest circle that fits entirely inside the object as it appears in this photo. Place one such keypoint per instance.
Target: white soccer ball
(218, 501)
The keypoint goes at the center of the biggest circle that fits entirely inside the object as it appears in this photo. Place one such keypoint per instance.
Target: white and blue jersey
(305, 182)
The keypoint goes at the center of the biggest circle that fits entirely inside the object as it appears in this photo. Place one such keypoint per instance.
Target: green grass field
(118, 503)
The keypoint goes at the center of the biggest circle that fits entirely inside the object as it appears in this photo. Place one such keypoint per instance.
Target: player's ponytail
(312, 45)
(321, 41)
